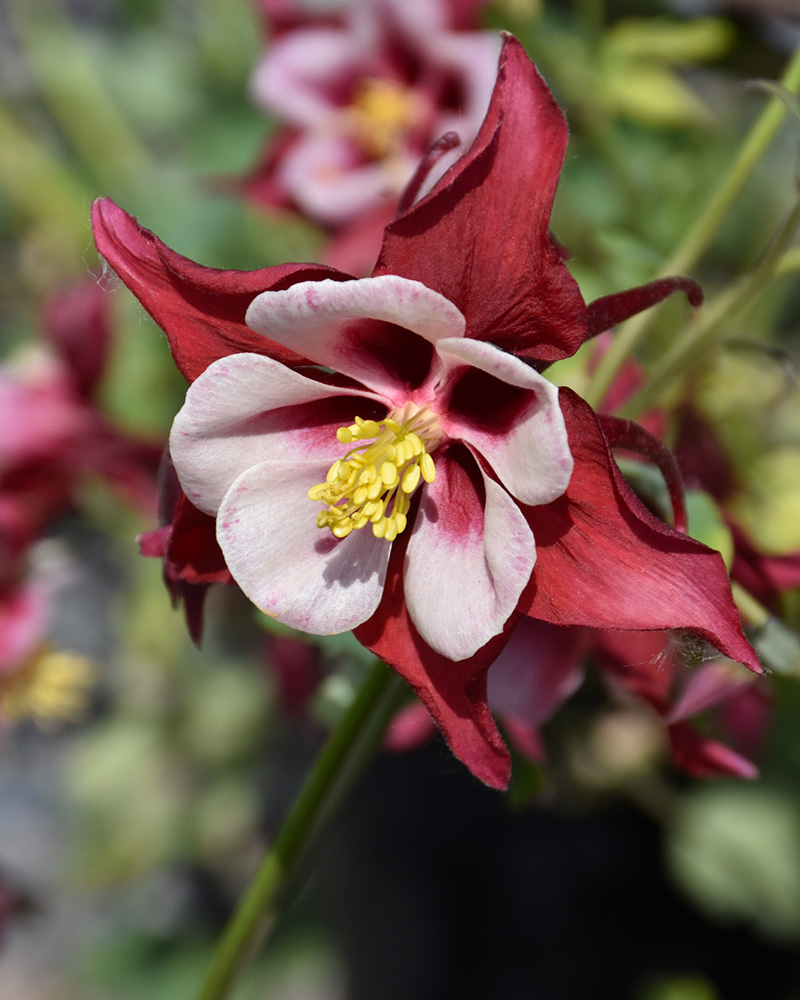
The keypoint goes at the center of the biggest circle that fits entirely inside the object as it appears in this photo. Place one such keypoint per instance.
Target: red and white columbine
(519, 508)
(255, 437)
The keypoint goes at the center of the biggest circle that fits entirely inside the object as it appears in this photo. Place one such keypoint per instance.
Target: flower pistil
(360, 487)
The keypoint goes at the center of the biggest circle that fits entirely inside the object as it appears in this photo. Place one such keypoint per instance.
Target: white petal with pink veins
(466, 564)
(316, 319)
(304, 577)
(242, 410)
(530, 454)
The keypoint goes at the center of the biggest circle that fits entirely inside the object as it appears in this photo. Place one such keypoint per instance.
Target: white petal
(299, 74)
(465, 567)
(291, 569)
(328, 179)
(235, 416)
(529, 452)
(315, 319)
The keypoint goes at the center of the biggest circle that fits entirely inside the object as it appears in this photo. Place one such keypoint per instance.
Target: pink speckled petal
(247, 408)
(468, 560)
(291, 569)
(320, 319)
(512, 418)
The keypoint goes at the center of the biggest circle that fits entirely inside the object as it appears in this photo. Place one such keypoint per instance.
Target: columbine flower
(470, 492)
(36, 681)
(261, 447)
(361, 95)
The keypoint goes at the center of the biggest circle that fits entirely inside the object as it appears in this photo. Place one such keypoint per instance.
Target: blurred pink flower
(52, 432)
(361, 92)
(37, 681)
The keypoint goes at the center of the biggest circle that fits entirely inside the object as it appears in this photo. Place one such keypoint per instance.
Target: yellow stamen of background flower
(373, 483)
(380, 114)
(50, 687)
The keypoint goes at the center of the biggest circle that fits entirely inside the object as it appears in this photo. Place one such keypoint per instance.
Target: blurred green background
(134, 832)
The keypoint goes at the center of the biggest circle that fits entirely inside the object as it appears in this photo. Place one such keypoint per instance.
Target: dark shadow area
(435, 890)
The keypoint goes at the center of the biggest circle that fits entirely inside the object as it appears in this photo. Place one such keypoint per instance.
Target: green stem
(339, 763)
(790, 263)
(753, 610)
(702, 334)
(703, 231)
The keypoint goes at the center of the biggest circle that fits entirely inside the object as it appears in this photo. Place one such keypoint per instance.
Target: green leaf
(676, 42)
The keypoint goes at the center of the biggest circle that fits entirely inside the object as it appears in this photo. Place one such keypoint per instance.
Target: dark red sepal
(187, 544)
(77, 324)
(605, 561)
(606, 312)
(481, 237)
(201, 309)
(453, 692)
(193, 549)
(442, 145)
(706, 758)
(632, 436)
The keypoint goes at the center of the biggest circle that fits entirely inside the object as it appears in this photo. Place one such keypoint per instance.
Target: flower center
(380, 114)
(51, 686)
(373, 482)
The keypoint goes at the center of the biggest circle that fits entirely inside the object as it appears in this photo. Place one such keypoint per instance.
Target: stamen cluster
(381, 113)
(373, 483)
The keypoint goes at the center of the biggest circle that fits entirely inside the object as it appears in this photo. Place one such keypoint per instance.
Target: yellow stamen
(380, 114)
(49, 687)
(372, 484)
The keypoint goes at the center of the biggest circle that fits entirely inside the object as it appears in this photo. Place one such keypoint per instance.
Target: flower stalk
(336, 769)
(701, 234)
(701, 335)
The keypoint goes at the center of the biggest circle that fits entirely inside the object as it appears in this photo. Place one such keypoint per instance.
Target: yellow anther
(410, 480)
(389, 473)
(381, 113)
(374, 481)
(48, 686)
